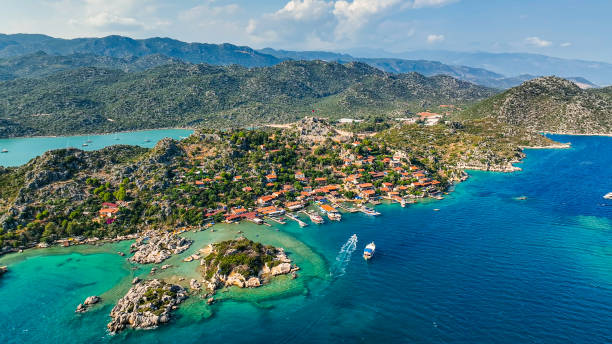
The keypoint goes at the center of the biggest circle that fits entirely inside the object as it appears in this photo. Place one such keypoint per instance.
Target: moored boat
(368, 252)
(369, 211)
(334, 216)
(4, 150)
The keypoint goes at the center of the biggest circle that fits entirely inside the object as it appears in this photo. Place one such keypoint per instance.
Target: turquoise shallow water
(21, 150)
(486, 268)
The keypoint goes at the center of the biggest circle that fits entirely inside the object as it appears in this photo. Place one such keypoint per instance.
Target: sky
(563, 28)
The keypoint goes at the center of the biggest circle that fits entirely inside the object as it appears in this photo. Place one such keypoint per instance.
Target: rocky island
(242, 263)
(155, 247)
(146, 305)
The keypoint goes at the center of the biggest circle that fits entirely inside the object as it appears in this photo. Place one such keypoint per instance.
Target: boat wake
(344, 257)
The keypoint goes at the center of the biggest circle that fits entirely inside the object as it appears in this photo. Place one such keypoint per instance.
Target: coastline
(575, 134)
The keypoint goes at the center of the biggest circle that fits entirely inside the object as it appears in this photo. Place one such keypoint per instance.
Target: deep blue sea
(486, 268)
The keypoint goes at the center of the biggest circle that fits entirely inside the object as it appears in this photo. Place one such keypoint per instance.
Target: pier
(296, 219)
(350, 210)
(279, 221)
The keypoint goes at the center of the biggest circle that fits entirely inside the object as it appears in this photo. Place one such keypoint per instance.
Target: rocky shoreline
(241, 263)
(146, 305)
(155, 247)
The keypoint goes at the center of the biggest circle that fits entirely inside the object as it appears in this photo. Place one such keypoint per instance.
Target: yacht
(369, 211)
(4, 150)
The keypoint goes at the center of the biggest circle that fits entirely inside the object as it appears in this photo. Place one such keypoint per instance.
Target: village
(277, 176)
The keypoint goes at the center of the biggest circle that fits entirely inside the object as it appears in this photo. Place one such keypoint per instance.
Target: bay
(522, 257)
(20, 150)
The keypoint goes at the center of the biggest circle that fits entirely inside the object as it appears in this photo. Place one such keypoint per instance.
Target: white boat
(85, 145)
(4, 150)
(334, 216)
(316, 218)
(368, 252)
(369, 211)
(608, 195)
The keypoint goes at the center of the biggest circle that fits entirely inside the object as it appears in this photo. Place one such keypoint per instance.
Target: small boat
(147, 140)
(85, 145)
(368, 252)
(608, 195)
(89, 141)
(316, 218)
(4, 150)
(369, 211)
(334, 216)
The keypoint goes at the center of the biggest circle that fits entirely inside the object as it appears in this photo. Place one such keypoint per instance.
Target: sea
(20, 150)
(523, 257)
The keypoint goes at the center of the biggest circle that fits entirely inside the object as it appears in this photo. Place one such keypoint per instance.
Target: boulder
(281, 269)
(235, 279)
(135, 280)
(253, 282)
(194, 284)
(92, 300)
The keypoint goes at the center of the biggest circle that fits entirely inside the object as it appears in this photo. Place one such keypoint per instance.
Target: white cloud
(431, 39)
(431, 3)
(352, 16)
(538, 42)
(305, 9)
(337, 23)
(104, 20)
(566, 44)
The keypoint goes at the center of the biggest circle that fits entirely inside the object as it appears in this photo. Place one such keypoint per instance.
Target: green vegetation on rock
(550, 104)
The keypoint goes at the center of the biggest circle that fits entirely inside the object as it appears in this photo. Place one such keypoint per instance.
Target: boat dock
(350, 210)
(296, 219)
(279, 221)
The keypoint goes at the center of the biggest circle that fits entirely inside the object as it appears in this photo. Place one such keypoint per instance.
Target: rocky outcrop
(314, 129)
(194, 284)
(83, 307)
(243, 263)
(155, 247)
(3, 270)
(280, 269)
(146, 305)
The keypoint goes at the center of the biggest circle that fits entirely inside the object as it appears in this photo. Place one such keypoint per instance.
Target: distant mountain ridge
(125, 47)
(12, 46)
(428, 67)
(41, 64)
(550, 104)
(510, 63)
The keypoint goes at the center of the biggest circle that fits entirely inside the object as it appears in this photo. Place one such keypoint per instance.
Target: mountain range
(225, 54)
(511, 64)
(125, 47)
(92, 99)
